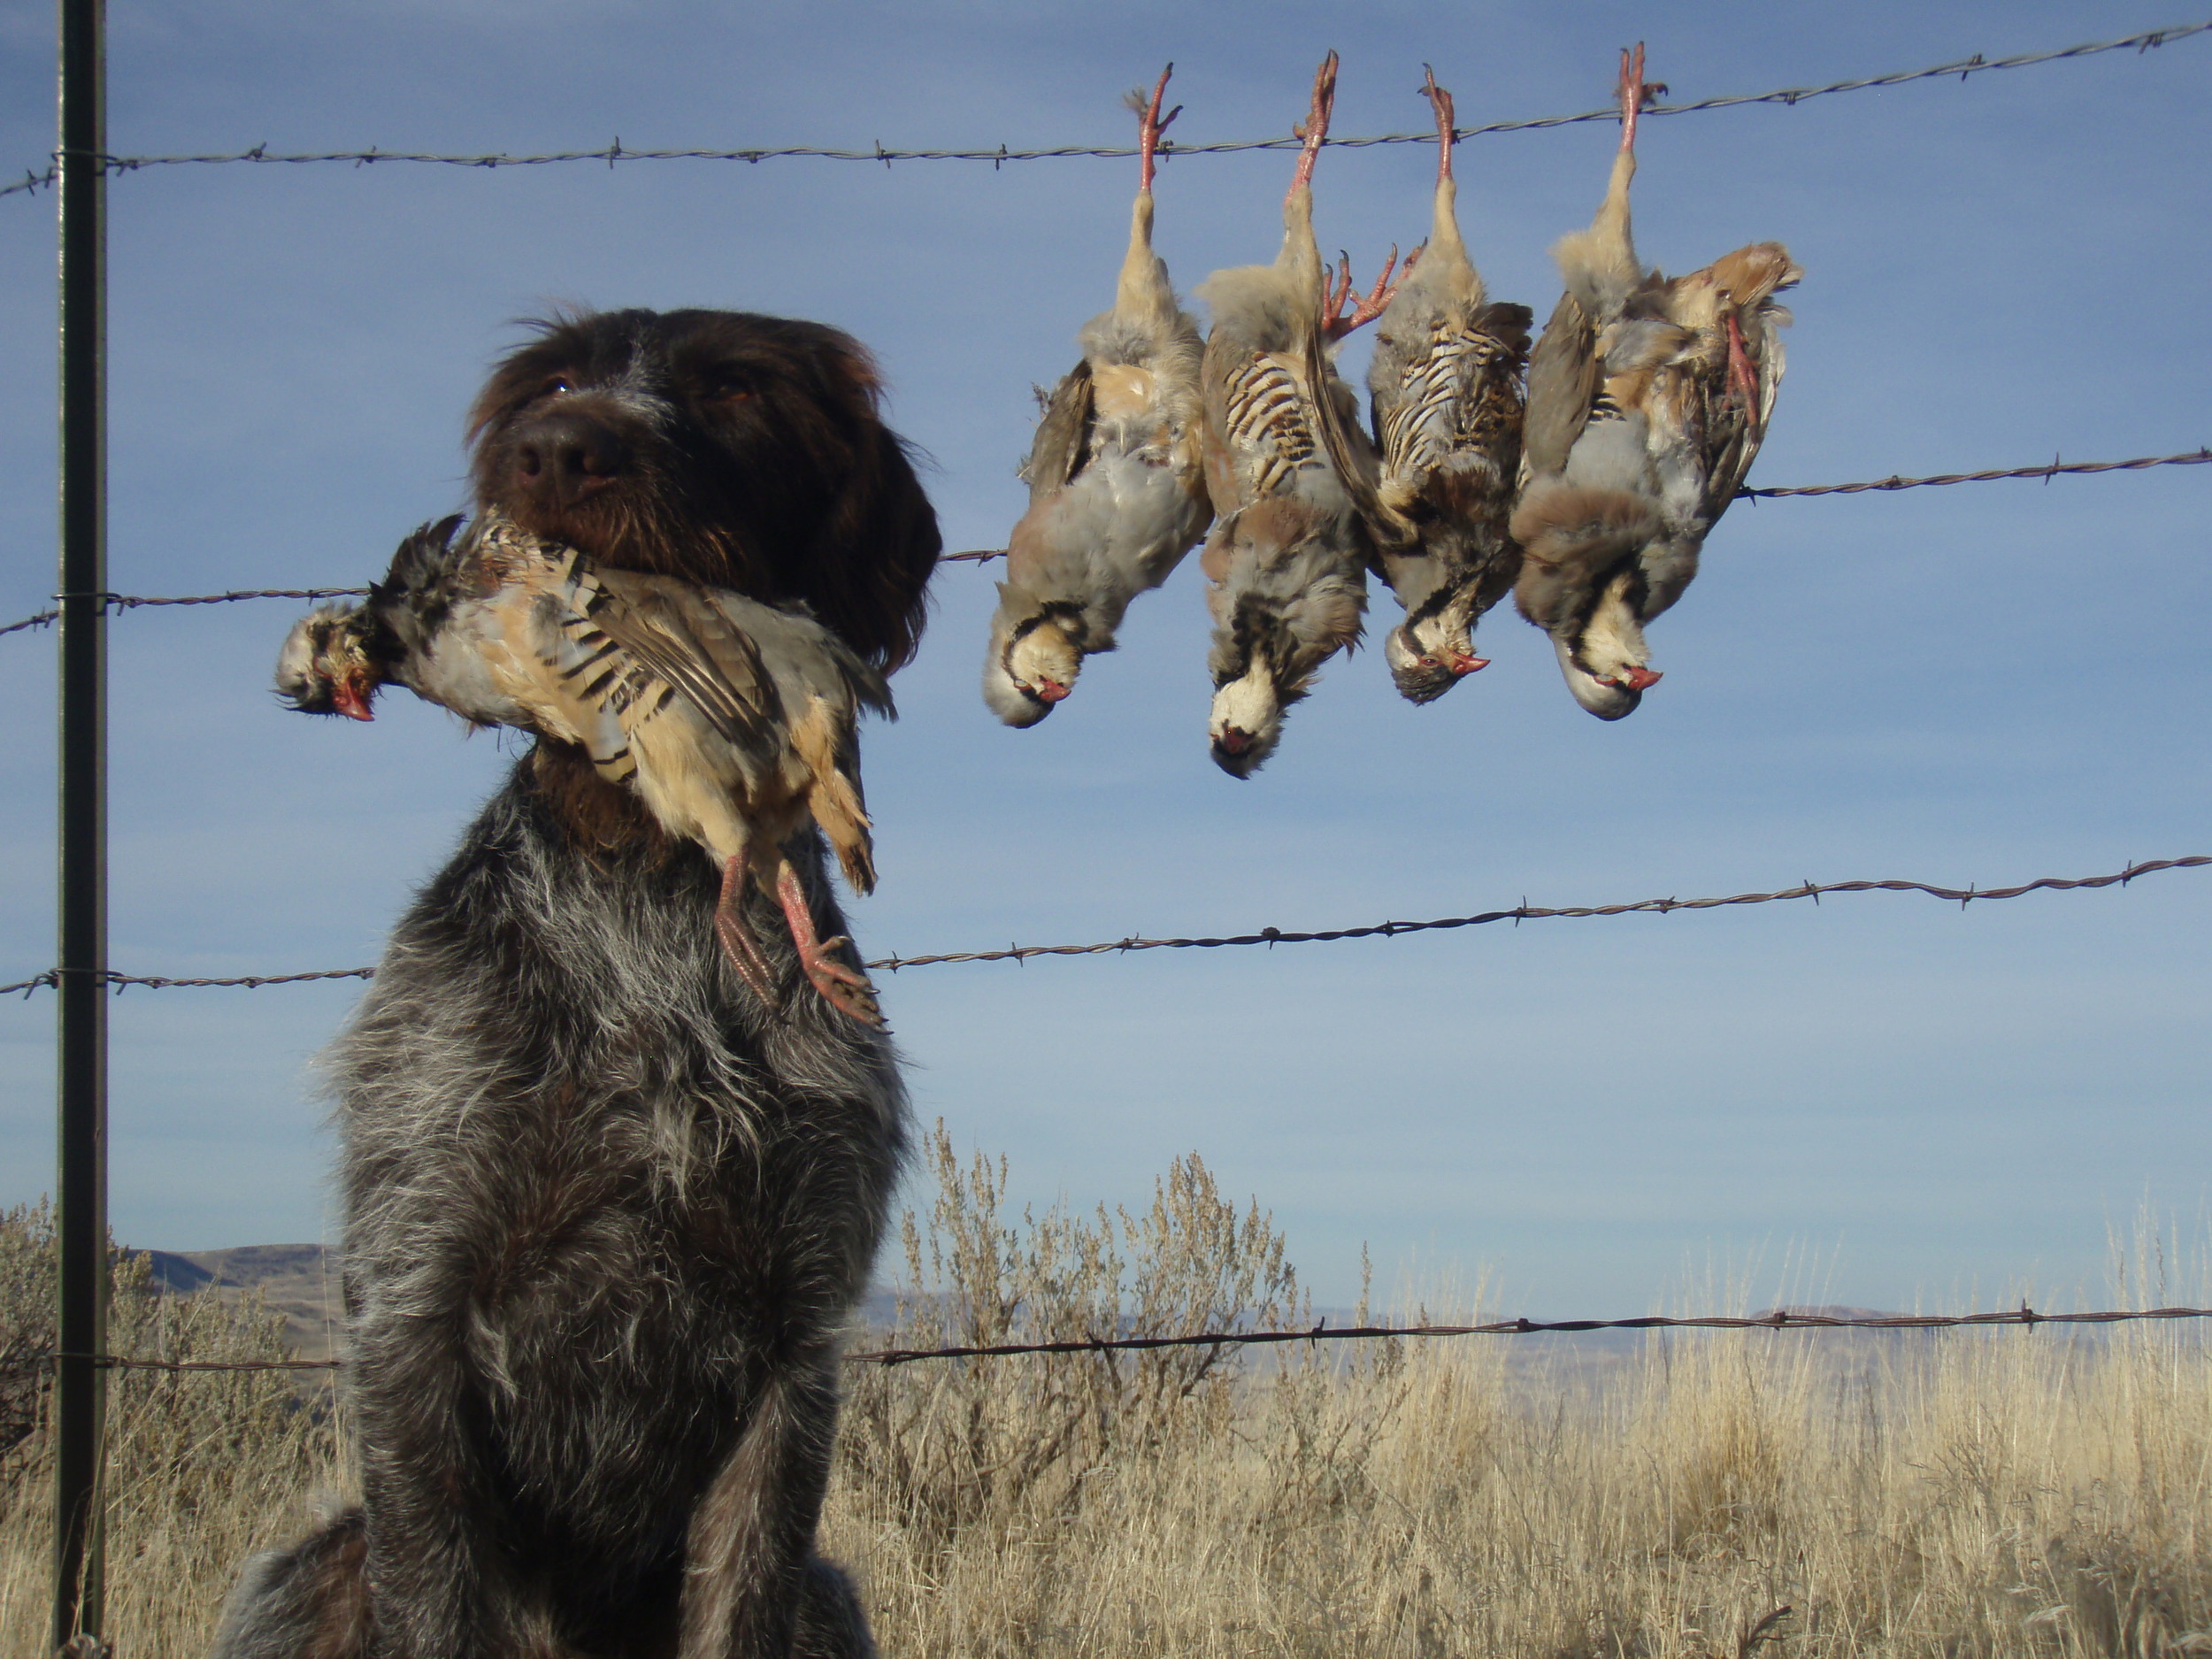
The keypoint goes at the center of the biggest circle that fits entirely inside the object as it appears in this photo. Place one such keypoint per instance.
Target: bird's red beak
(1640, 679)
(1050, 691)
(351, 699)
(1233, 741)
(1464, 665)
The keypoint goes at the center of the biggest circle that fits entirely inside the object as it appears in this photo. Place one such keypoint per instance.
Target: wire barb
(1789, 97)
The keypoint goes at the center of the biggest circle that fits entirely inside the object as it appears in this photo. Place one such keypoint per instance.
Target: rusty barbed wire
(2054, 468)
(1272, 936)
(37, 621)
(1779, 1319)
(1790, 97)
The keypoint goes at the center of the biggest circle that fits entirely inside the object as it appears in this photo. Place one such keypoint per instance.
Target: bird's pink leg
(1636, 93)
(1152, 124)
(1447, 130)
(736, 935)
(844, 988)
(1315, 127)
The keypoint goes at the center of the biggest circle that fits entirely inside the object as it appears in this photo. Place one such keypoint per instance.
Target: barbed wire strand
(1272, 936)
(119, 602)
(2054, 468)
(1780, 1319)
(1791, 97)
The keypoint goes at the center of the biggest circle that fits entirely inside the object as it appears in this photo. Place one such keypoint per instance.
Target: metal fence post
(80, 1197)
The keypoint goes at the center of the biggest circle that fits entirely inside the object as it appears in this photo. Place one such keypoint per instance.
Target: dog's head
(720, 446)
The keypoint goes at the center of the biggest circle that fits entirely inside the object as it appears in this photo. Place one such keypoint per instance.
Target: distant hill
(298, 1280)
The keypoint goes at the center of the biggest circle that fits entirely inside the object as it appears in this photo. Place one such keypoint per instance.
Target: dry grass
(203, 1467)
(1996, 1493)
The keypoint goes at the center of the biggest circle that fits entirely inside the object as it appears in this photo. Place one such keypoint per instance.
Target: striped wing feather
(1262, 408)
(702, 657)
(1350, 454)
(1562, 379)
(1063, 443)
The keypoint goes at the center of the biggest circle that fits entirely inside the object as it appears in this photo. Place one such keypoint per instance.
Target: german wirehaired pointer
(606, 1212)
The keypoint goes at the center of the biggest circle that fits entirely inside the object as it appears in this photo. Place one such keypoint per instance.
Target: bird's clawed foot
(1636, 93)
(844, 988)
(1447, 132)
(1151, 124)
(1344, 308)
(1315, 127)
(737, 939)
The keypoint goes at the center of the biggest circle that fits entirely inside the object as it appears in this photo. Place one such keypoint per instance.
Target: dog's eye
(558, 385)
(730, 392)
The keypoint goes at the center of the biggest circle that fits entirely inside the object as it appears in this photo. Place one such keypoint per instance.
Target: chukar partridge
(1647, 400)
(1446, 394)
(1116, 474)
(1287, 561)
(733, 721)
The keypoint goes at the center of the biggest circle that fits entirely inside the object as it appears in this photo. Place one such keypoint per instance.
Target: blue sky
(1983, 684)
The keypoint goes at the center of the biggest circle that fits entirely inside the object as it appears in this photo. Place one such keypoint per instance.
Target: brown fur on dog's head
(719, 447)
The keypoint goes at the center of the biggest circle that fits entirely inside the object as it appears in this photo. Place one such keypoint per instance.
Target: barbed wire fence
(2054, 468)
(1778, 1319)
(260, 155)
(1272, 936)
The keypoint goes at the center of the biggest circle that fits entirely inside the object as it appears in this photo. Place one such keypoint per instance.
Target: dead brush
(202, 1467)
(1971, 1494)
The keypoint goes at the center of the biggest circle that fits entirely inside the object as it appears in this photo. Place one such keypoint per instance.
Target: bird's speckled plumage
(1287, 561)
(1115, 476)
(1446, 390)
(1647, 400)
(734, 722)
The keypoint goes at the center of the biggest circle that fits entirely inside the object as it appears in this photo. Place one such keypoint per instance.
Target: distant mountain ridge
(300, 1281)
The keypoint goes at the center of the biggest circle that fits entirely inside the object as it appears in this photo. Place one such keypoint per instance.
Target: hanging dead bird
(733, 721)
(1287, 558)
(1447, 402)
(1116, 474)
(1647, 400)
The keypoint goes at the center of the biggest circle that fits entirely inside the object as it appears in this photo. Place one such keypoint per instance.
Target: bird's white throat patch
(1613, 640)
(1248, 704)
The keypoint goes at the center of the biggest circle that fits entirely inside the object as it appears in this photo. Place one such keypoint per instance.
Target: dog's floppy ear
(878, 542)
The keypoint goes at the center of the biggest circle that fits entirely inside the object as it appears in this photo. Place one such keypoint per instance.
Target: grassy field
(1993, 1492)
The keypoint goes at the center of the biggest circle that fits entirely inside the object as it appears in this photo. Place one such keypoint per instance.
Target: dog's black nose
(564, 456)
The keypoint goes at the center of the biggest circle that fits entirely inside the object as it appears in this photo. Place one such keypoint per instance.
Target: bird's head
(1032, 664)
(1422, 675)
(1606, 664)
(1246, 722)
(328, 665)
